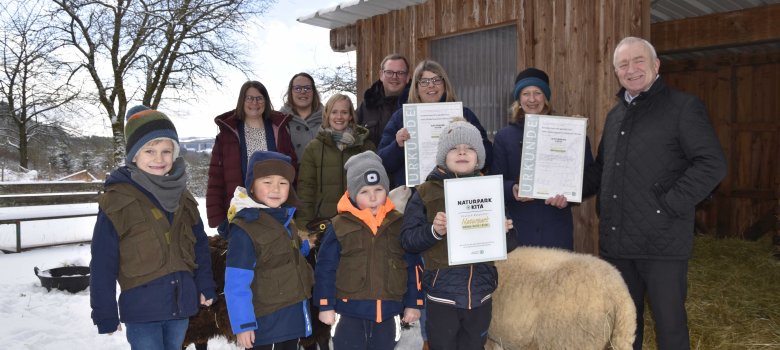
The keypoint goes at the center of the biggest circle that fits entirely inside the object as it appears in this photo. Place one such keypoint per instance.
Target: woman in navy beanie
(543, 223)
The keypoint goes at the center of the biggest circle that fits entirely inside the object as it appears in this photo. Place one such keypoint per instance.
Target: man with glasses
(382, 98)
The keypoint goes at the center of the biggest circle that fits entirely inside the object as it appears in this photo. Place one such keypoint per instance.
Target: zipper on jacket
(434, 278)
(471, 273)
(176, 297)
(370, 276)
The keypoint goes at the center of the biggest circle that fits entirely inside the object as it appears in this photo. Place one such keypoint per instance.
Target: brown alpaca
(212, 321)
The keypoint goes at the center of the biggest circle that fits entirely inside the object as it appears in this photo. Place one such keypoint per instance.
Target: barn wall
(741, 95)
(571, 40)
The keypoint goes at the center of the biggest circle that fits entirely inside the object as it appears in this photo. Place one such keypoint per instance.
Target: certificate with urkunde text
(424, 122)
(475, 219)
(553, 157)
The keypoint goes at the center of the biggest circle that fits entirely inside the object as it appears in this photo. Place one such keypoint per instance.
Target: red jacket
(228, 159)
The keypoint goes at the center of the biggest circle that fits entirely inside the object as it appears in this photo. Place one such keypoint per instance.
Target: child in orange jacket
(366, 284)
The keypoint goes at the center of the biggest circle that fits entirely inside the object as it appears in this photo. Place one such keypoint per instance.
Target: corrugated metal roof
(351, 11)
(667, 10)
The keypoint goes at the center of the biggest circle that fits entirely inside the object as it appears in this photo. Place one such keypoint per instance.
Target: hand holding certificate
(553, 157)
(476, 230)
(424, 122)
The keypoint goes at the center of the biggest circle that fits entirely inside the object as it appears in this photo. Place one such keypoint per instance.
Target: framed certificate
(424, 121)
(475, 219)
(553, 157)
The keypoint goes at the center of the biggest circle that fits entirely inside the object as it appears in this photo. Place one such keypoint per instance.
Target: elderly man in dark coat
(659, 156)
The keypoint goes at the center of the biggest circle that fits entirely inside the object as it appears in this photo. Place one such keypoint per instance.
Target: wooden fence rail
(50, 200)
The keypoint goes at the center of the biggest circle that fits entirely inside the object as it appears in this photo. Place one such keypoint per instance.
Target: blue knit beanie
(267, 163)
(532, 77)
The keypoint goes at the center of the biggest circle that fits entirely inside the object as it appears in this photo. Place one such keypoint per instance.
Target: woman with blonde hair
(321, 182)
(430, 84)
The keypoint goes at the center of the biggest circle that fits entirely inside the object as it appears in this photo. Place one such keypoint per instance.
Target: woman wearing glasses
(302, 104)
(252, 126)
(430, 84)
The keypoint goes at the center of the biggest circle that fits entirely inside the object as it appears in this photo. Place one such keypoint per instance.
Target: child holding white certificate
(459, 297)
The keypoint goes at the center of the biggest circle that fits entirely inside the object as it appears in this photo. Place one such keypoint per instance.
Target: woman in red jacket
(252, 126)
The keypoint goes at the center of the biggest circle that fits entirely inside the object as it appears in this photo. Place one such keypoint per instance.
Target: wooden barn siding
(572, 41)
(741, 96)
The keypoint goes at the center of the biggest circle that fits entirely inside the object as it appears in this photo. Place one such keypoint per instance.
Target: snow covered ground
(32, 318)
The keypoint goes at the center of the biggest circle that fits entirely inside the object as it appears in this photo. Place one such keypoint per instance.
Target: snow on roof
(351, 11)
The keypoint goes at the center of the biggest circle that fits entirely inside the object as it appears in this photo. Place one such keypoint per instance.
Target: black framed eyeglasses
(393, 73)
(258, 99)
(427, 81)
(302, 88)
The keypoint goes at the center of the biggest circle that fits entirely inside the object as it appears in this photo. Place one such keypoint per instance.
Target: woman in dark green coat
(321, 181)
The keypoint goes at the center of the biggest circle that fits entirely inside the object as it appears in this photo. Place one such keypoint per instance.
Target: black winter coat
(375, 110)
(659, 156)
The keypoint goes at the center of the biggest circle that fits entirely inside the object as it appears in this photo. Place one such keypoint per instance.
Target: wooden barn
(727, 52)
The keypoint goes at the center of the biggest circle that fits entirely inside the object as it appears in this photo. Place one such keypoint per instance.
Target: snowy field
(32, 318)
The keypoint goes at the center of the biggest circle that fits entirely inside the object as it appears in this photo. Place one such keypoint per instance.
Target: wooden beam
(756, 55)
(344, 39)
(736, 28)
(760, 194)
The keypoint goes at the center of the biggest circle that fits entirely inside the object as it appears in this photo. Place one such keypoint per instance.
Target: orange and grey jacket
(362, 270)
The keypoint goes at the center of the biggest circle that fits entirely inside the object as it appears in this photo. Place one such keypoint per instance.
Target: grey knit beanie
(365, 169)
(456, 133)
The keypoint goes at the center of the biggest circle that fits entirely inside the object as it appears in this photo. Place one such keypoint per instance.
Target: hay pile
(733, 296)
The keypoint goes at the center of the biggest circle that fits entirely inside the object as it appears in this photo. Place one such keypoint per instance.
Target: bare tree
(339, 79)
(140, 48)
(32, 86)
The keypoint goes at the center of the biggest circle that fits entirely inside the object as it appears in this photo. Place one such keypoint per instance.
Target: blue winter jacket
(290, 322)
(393, 155)
(536, 223)
(173, 296)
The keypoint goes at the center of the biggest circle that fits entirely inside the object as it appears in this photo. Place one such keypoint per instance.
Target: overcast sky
(284, 47)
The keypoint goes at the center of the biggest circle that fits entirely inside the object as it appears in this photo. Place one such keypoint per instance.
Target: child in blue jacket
(459, 306)
(267, 280)
(366, 283)
(149, 237)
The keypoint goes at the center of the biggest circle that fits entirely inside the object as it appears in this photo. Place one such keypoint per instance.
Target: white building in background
(197, 144)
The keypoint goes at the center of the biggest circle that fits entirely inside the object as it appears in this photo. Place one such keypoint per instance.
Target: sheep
(554, 299)
(400, 196)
